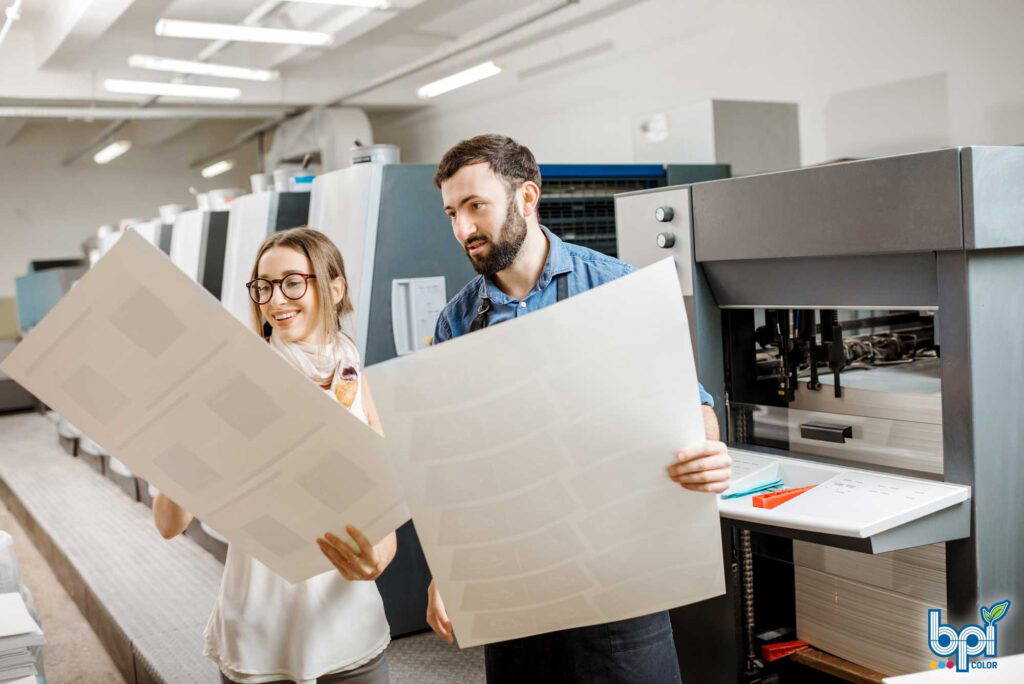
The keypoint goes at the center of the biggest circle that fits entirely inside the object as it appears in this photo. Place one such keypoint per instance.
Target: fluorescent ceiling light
(112, 151)
(181, 66)
(368, 4)
(217, 168)
(116, 85)
(477, 73)
(175, 28)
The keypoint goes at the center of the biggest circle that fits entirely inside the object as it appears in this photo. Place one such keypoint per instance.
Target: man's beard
(505, 248)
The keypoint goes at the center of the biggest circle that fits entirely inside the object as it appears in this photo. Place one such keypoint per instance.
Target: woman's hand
(437, 618)
(366, 564)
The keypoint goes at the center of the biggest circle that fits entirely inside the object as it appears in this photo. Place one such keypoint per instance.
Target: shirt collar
(557, 263)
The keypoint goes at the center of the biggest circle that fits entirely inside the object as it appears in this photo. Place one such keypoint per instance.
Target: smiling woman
(279, 288)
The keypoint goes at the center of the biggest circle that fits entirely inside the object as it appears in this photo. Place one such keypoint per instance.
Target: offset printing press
(402, 266)
(860, 328)
(197, 246)
(157, 232)
(251, 220)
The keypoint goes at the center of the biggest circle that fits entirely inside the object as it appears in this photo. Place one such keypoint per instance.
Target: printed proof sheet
(151, 366)
(533, 456)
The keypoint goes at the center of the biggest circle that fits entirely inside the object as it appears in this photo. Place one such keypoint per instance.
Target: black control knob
(663, 214)
(666, 240)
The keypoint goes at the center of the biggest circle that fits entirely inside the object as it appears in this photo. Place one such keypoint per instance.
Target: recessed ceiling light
(217, 168)
(463, 78)
(181, 66)
(175, 28)
(112, 151)
(116, 85)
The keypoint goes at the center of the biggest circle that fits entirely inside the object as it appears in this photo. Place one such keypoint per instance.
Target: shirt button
(522, 305)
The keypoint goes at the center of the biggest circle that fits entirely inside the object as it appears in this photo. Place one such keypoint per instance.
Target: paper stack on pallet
(18, 633)
(870, 610)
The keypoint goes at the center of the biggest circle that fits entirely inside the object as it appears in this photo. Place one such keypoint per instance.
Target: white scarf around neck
(319, 362)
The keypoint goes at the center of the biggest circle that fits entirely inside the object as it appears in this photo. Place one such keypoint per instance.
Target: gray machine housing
(198, 240)
(211, 258)
(250, 220)
(942, 231)
(414, 240)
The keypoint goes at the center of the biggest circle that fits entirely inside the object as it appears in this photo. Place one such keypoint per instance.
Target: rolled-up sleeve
(442, 330)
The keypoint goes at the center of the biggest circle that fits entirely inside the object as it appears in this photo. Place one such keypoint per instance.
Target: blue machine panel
(39, 291)
(577, 200)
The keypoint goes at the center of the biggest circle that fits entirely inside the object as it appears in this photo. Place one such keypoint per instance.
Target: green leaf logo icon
(995, 613)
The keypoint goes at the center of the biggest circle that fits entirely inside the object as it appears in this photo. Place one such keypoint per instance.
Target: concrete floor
(72, 652)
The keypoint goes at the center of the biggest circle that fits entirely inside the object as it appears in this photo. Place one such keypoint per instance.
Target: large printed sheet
(154, 369)
(533, 456)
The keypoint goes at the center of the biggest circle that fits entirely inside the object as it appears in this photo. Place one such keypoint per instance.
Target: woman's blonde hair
(328, 264)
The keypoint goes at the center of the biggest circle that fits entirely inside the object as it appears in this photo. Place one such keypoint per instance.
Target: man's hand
(704, 467)
(366, 564)
(437, 618)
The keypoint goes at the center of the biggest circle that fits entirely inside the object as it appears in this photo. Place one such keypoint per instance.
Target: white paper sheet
(149, 365)
(534, 453)
(14, 616)
(30, 679)
(415, 306)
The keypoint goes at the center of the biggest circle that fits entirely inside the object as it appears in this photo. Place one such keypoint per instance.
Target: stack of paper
(18, 632)
(870, 609)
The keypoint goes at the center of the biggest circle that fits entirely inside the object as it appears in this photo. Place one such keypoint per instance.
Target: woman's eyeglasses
(293, 286)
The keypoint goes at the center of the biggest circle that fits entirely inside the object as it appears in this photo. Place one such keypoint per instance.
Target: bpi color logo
(970, 641)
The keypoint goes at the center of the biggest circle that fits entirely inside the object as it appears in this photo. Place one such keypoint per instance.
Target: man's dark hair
(511, 162)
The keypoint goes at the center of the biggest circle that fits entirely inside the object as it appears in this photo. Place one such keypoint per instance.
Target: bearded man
(490, 186)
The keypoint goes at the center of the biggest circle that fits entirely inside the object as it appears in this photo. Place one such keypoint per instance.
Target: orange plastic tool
(773, 499)
(782, 649)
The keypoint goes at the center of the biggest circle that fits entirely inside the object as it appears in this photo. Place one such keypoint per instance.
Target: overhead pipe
(86, 113)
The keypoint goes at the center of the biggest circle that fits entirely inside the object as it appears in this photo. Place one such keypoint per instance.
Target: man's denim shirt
(586, 269)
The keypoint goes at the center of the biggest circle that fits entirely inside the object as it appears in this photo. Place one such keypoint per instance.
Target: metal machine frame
(577, 200)
(942, 231)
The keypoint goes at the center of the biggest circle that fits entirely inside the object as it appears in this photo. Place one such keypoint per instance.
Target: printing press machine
(251, 220)
(156, 232)
(402, 266)
(198, 241)
(859, 326)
